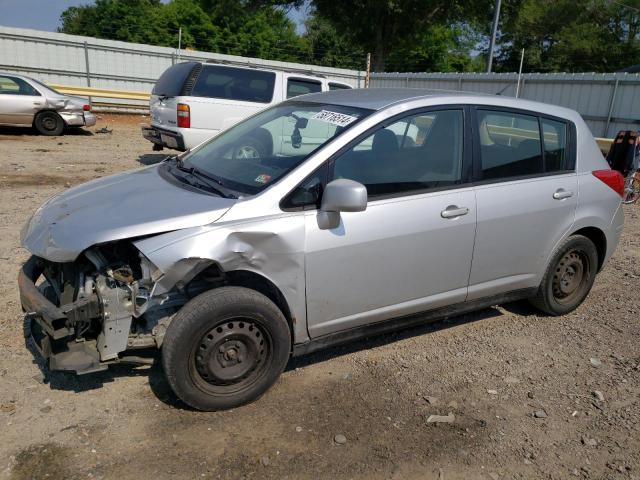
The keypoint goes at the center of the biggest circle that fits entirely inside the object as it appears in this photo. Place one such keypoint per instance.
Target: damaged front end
(85, 314)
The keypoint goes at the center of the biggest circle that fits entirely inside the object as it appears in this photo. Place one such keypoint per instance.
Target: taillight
(86, 108)
(184, 116)
(612, 178)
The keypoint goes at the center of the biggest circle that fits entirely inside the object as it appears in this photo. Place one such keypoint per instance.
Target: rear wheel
(569, 276)
(225, 348)
(49, 123)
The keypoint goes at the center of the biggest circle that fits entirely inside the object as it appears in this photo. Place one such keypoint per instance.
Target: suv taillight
(86, 108)
(612, 178)
(184, 115)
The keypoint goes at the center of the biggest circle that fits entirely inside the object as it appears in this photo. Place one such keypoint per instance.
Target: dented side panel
(271, 247)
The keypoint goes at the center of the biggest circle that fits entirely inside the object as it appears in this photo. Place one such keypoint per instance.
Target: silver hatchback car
(372, 210)
(26, 102)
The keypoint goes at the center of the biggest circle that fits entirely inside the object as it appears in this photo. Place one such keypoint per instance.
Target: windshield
(255, 153)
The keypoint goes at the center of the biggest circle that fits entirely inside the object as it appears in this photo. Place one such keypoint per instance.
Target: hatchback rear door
(526, 193)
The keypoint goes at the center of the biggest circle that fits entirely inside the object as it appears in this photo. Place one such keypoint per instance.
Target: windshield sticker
(264, 178)
(339, 119)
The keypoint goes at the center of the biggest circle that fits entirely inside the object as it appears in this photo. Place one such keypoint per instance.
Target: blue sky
(45, 14)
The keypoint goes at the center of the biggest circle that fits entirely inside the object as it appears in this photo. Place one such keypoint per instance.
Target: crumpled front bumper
(49, 325)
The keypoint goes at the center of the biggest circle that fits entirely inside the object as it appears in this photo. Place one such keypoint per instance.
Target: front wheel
(225, 348)
(569, 276)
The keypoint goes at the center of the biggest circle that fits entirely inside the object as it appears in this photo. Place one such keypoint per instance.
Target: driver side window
(415, 153)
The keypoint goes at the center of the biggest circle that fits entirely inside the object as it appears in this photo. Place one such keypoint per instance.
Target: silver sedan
(26, 102)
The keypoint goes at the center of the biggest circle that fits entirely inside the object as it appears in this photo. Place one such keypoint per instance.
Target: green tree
(386, 27)
(326, 46)
(257, 28)
(564, 35)
(440, 48)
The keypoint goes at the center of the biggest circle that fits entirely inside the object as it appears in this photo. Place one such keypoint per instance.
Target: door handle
(453, 211)
(561, 194)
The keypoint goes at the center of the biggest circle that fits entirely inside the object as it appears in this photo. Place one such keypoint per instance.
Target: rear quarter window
(338, 86)
(231, 83)
(300, 86)
(171, 82)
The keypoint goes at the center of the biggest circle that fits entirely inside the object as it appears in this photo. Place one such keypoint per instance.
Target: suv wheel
(225, 348)
(569, 276)
(49, 123)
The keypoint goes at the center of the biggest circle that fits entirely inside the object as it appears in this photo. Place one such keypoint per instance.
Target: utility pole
(367, 77)
(520, 74)
(494, 31)
(179, 42)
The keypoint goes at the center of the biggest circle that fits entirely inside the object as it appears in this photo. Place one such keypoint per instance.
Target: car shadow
(152, 158)
(160, 388)
(32, 132)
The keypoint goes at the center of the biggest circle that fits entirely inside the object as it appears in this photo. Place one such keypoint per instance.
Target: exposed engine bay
(104, 306)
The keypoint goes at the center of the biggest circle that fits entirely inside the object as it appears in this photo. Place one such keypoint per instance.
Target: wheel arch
(599, 239)
(253, 281)
(39, 112)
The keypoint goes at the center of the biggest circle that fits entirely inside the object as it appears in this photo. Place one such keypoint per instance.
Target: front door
(526, 196)
(411, 250)
(19, 101)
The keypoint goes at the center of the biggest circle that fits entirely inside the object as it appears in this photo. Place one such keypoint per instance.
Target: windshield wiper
(203, 178)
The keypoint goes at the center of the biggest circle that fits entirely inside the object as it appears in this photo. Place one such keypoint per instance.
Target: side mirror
(340, 195)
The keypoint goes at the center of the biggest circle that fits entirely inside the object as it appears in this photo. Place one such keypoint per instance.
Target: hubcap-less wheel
(49, 123)
(570, 276)
(247, 152)
(230, 356)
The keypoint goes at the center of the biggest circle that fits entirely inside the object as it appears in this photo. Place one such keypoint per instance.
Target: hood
(121, 206)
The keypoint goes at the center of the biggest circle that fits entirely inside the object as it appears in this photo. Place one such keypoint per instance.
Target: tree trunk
(379, 57)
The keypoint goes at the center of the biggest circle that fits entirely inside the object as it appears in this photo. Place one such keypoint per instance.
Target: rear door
(19, 101)
(526, 193)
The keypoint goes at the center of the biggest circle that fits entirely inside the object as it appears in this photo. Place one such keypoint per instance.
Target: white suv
(194, 101)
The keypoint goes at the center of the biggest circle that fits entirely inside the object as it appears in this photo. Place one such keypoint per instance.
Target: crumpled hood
(125, 205)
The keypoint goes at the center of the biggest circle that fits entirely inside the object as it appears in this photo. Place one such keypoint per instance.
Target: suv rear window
(235, 84)
(172, 80)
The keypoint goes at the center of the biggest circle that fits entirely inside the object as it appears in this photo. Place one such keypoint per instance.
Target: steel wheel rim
(570, 277)
(49, 123)
(247, 152)
(230, 356)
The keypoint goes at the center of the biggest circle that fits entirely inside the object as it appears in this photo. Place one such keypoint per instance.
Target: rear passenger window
(415, 153)
(555, 145)
(297, 86)
(235, 84)
(510, 145)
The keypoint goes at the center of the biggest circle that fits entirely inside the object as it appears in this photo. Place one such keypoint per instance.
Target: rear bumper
(163, 137)
(50, 328)
(78, 119)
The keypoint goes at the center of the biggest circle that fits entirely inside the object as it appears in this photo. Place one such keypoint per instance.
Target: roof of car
(380, 98)
(371, 98)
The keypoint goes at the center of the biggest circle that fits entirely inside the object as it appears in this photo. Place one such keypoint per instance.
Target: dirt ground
(493, 370)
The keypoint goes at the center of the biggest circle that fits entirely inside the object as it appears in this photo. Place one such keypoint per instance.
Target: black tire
(49, 123)
(225, 348)
(569, 276)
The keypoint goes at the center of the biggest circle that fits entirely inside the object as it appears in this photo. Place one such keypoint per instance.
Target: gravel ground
(529, 396)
